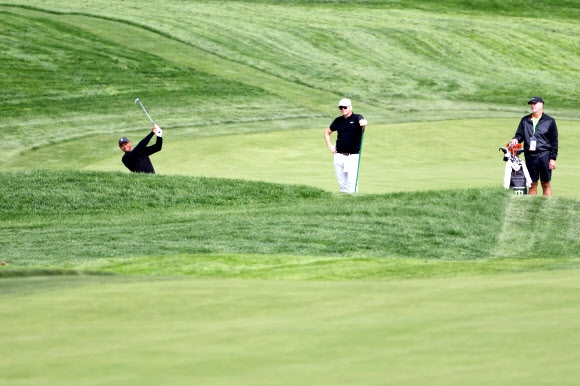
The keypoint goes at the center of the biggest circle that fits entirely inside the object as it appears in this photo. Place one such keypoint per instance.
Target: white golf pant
(346, 169)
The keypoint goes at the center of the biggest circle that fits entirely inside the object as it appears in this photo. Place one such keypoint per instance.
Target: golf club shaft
(143, 107)
(359, 157)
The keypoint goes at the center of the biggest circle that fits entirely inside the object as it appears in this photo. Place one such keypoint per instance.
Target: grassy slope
(93, 83)
(430, 56)
(436, 54)
(406, 64)
(409, 55)
(117, 222)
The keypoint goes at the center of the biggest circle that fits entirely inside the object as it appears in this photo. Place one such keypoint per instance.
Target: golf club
(143, 107)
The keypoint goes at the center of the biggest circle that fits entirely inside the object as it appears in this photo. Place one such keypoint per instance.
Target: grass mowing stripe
(565, 8)
(521, 236)
(92, 81)
(179, 51)
(291, 267)
(298, 45)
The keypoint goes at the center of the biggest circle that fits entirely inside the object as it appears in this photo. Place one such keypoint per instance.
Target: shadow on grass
(21, 272)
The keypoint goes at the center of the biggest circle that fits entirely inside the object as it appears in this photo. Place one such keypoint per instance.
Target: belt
(347, 154)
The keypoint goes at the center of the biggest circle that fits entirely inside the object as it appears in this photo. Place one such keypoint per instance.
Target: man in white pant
(349, 128)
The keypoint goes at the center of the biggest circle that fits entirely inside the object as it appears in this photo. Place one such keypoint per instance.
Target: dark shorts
(538, 167)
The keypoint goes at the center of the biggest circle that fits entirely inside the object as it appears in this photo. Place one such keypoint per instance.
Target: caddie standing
(539, 134)
(349, 128)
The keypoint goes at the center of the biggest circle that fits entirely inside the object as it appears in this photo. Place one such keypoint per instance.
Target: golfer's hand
(514, 142)
(363, 122)
(155, 128)
(552, 164)
(332, 149)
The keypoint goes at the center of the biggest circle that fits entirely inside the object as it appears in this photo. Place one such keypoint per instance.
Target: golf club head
(137, 100)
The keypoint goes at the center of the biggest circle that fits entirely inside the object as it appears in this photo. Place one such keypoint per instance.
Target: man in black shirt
(349, 128)
(539, 134)
(137, 159)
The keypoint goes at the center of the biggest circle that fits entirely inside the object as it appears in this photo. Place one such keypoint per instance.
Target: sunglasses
(342, 107)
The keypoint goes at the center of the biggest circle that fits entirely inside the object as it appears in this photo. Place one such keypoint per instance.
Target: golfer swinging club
(349, 128)
(137, 159)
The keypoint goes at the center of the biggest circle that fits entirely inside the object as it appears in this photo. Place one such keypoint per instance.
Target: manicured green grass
(440, 278)
(516, 329)
(203, 64)
(94, 82)
(451, 54)
(441, 154)
(293, 268)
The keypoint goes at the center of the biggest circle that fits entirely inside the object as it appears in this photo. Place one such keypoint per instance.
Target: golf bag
(516, 174)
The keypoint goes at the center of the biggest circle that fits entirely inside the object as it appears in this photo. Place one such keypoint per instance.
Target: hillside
(72, 69)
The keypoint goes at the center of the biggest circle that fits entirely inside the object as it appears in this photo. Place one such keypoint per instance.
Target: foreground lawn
(516, 329)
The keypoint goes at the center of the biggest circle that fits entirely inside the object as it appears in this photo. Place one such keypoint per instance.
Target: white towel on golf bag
(509, 166)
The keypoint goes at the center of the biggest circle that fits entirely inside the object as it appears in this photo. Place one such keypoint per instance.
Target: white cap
(344, 102)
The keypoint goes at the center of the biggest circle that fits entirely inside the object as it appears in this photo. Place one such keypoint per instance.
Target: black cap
(122, 140)
(535, 100)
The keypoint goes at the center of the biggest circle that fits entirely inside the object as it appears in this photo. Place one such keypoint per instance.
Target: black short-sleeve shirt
(349, 133)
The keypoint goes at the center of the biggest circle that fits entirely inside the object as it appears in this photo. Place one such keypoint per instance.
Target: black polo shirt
(349, 133)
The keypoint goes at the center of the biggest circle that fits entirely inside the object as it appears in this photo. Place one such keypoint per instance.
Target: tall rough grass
(70, 219)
